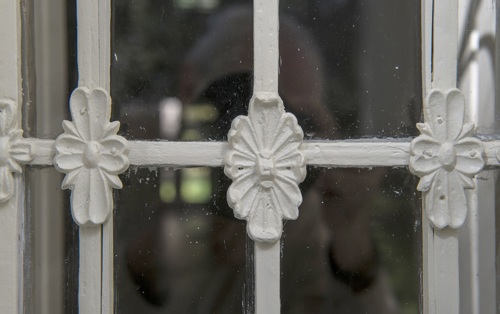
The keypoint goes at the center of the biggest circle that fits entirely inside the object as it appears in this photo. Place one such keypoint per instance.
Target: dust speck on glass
(182, 70)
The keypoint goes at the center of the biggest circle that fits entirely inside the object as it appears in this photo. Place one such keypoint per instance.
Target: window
(280, 128)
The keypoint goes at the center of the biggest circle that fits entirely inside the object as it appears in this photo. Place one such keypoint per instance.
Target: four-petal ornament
(13, 151)
(446, 158)
(266, 165)
(91, 155)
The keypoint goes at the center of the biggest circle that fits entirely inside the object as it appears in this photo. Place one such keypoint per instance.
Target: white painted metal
(441, 270)
(267, 277)
(266, 56)
(11, 212)
(96, 268)
(477, 80)
(266, 50)
(266, 165)
(428, 280)
(357, 154)
(446, 157)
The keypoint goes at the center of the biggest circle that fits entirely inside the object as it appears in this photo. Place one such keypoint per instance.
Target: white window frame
(459, 263)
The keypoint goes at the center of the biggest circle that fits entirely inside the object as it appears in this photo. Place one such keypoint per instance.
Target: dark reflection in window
(358, 59)
(178, 247)
(349, 69)
(182, 70)
(356, 246)
(170, 51)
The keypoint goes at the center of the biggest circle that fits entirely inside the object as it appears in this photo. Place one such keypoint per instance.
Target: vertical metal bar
(477, 81)
(89, 287)
(11, 212)
(96, 262)
(266, 57)
(266, 53)
(267, 278)
(107, 227)
(427, 231)
(442, 270)
(445, 44)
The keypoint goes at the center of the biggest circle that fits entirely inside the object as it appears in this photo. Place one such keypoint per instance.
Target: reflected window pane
(178, 247)
(355, 247)
(351, 69)
(180, 70)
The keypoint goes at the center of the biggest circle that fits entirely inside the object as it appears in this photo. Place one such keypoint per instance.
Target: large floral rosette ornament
(13, 152)
(446, 158)
(91, 155)
(266, 165)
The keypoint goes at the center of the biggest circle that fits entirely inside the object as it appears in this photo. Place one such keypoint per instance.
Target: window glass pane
(181, 70)
(351, 69)
(355, 247)
(178, 247)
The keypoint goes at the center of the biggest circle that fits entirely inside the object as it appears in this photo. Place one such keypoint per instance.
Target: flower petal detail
(70, 129)
(6, 184)
(247, 145)
(446, 158)
(264, 224)
(91, 200)
(242, 193)
(111, 129)
(7, 116)
(13, 150)
(91, 155)
(99, 113)
(114, 145)
(455, 113)
(21, 152)
(114, 164)
(71, 178)
(425, 182)
(266, 115)
(79, 107)
(436, 201)
(101, 202)
(14, 166)
(113, 180)
(67, 163)
(470, 156)
(287, 198)
(435, 115)
(69, 144)
(80, 198)
(266, 165)
(424, 155)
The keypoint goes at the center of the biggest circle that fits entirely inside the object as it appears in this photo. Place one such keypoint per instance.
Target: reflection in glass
(167, 52)
(354, 249)
(357, 60)
(348, 69)
(356, 246)
(178, 247)
(182, 70)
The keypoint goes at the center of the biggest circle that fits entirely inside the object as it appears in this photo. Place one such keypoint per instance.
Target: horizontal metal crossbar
(354, 154)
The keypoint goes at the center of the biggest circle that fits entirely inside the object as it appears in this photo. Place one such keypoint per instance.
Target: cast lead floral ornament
(91, 155)
(13, 151)
(266, 165)
(446, 158)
